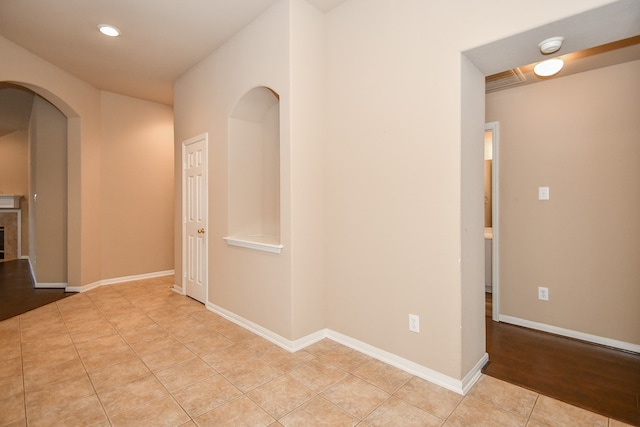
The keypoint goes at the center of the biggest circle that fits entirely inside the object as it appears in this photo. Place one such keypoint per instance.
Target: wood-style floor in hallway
(17, 294)
(601, 379)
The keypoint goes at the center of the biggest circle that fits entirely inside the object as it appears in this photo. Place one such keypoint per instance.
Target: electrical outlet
(414, 323)
(543, 293)
(543, 193)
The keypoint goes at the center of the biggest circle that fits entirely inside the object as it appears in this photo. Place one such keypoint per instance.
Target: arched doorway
(39, 135)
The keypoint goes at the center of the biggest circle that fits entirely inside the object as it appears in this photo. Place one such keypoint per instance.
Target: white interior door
(194, 217)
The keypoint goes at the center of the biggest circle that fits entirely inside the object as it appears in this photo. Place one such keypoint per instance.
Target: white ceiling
(160, 39)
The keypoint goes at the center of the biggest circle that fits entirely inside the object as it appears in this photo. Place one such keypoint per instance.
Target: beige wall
(394, 181)
(577, 135)
(136, 186)
(381, 203)
(252, 284)
(404, 181)
(306, 176)
(48, 194)
(284, 51)
(14, 176)
(85, 108)
(79, 102)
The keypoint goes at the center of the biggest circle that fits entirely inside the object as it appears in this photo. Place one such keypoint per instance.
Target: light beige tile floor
(138, 354)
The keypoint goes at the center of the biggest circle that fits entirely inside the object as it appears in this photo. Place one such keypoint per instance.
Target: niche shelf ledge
(257, 242)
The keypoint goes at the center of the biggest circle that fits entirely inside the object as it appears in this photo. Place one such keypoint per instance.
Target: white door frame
(495, 221)
(205, 138)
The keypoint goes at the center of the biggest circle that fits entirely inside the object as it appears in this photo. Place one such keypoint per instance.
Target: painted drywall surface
(394, 182)
(306, 179)
(394, 216)
(472, 219)
(245, 178)
(80, 102)
(136, 186)
(252, 284)
(578, 135)
(14, 176)
(270, 172)
(283, 293)
(254, 166)
(48, 190)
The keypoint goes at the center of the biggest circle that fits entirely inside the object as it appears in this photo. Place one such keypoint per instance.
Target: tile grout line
(118, 332)
(84, 366)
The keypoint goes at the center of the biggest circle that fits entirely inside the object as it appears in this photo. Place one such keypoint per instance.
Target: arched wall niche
(254, 171)
(70, 244)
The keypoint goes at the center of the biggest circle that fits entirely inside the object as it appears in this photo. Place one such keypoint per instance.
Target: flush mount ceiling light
(109, 30)
(550, 45)
(549, 67)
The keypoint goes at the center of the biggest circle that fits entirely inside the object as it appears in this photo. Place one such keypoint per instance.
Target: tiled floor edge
(280, 341)
(420, 371)
(458, 386)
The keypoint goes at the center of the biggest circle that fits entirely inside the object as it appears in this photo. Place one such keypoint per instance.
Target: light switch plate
(543, 193)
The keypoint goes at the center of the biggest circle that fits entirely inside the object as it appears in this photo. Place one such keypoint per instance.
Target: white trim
(44, 285)
(50, 285)
(84, 288)
(571, 334)
(89, 286)
(291, 346)
(179, 290)
(33, 275)
(253, 242)
(474, 374)
(494, 127)
(455, 385)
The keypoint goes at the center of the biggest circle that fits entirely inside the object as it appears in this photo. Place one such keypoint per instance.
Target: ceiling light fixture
(550, 45)
(549, 67)
(109, 30)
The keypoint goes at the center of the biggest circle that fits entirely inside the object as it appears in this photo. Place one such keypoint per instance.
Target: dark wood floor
(17, 294)
(597, 378)
(600, 379)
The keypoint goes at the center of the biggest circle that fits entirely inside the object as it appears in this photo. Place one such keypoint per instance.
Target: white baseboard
(458, 386)
(570, 333)
(33, 276)
(123, 279)
(178, 289)
(50, 285)
(265, 333)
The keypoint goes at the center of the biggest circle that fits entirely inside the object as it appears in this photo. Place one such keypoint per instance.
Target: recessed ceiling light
(549, 67)
(109, 30)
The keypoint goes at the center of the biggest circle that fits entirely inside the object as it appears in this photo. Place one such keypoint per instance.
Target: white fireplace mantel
(10, 201)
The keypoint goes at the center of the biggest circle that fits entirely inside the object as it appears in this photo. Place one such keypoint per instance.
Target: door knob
(200, 230)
